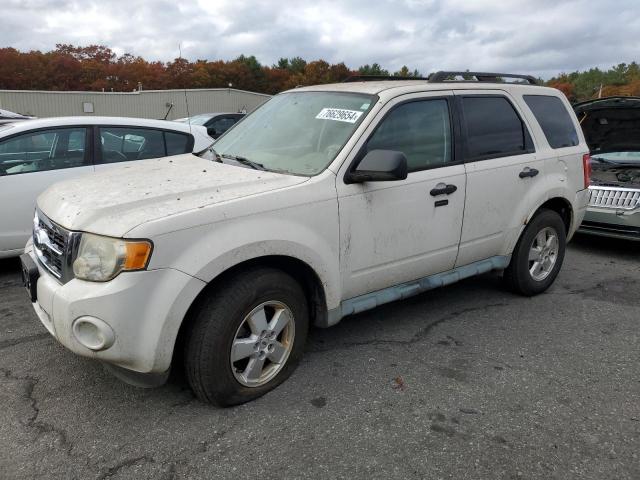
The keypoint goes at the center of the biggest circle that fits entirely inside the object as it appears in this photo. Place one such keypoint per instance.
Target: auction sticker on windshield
(339, 114)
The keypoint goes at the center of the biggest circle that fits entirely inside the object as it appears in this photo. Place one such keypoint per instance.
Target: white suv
(326, 201)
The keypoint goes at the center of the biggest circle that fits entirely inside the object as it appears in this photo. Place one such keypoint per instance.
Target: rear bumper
(142, 310)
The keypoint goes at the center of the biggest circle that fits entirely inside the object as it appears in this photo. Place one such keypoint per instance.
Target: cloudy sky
(541, 37)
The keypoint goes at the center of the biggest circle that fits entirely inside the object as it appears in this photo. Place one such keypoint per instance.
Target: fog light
(93, 333)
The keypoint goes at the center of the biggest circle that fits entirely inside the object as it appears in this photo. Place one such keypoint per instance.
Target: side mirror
(380, 166)
(212, 132)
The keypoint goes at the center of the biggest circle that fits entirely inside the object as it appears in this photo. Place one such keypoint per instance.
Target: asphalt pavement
(464, 382)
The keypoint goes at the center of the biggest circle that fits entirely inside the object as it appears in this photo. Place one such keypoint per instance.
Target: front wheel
(247, 337)
(538, 255)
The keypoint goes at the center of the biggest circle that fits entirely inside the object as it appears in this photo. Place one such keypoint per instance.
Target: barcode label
(339, 115)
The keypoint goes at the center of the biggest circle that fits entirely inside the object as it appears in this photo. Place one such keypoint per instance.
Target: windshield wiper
(244, 161)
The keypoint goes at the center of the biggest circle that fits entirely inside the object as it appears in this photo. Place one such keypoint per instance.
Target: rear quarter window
(177, 143)
(554, 120)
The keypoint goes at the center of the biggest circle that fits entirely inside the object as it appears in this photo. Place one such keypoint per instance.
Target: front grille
(51, 242)
(614, 197)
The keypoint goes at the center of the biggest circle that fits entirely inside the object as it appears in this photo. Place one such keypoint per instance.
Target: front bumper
(612, 223)
(143, 309)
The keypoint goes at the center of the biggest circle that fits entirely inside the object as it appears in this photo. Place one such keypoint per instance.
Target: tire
(236, 313)
(518, 276)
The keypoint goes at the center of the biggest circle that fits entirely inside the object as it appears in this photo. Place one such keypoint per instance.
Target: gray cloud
(541, 37)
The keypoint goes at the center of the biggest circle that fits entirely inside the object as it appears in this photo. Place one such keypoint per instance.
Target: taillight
(586, 168)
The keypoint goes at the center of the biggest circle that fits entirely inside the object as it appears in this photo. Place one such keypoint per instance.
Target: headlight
(100, 258)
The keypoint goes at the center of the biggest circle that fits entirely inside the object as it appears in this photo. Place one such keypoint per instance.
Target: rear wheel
(538, 255)
(247, 337)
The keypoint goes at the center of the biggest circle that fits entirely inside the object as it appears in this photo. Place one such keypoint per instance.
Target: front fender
(207, 251)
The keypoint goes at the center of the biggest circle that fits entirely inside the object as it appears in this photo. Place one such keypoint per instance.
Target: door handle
(528, 172)
(442, 189)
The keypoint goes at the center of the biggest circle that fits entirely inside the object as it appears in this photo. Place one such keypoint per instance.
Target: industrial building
(169, 104)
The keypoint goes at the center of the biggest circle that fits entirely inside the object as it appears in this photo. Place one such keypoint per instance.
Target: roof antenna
(186, 100)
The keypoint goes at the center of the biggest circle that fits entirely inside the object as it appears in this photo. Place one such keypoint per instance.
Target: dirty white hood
(114, 201)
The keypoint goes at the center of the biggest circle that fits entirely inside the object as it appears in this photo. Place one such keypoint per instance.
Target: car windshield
(298, 132)
(627, 158)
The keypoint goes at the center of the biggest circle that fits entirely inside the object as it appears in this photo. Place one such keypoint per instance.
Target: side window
(493, 128)
(177, 143)
(554, 120)
(221, 125)
(421, 130)
(43, 150)
(121, 144)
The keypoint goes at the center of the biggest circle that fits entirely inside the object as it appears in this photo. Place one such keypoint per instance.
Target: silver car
(612, 129)
(35, 154)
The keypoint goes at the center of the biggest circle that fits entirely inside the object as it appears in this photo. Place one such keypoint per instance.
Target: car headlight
(100, 259)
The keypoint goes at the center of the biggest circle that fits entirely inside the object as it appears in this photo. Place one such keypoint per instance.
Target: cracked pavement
(467, 381)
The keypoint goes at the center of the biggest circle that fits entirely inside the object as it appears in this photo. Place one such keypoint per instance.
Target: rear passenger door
(398, 231)
(501, 167)
(117, 144)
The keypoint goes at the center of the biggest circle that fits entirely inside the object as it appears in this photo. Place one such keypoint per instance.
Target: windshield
(619, 157)
(298, 132)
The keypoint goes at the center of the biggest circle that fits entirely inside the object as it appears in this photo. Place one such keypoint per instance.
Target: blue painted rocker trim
(404, 290)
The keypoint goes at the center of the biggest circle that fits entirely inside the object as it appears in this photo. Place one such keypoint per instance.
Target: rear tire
(538, 255)
(246, 337)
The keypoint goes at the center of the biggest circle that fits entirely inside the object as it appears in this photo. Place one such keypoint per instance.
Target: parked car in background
(215, 123)
(38, 153)
(611, 127)
(7, 116)
(324, 202)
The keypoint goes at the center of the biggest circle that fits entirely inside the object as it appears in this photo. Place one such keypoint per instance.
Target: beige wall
(144, 104)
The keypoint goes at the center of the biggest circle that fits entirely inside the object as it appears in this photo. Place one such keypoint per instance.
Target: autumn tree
(565, 87)
(97, 67)
(584, 85)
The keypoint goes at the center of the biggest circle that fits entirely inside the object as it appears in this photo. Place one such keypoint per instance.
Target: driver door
(396, 231)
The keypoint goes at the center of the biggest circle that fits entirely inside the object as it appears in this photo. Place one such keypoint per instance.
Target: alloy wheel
(543, 253)
(262, 344)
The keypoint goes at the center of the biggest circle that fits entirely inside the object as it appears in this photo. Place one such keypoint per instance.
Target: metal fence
(141, 104)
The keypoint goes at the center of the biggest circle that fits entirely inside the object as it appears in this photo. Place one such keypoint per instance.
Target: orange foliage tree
(97, 68)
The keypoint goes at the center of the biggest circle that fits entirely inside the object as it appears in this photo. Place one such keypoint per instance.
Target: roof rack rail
(444, 76)
(376, 78)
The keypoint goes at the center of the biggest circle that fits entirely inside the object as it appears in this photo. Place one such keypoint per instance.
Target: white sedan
(39, 153)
